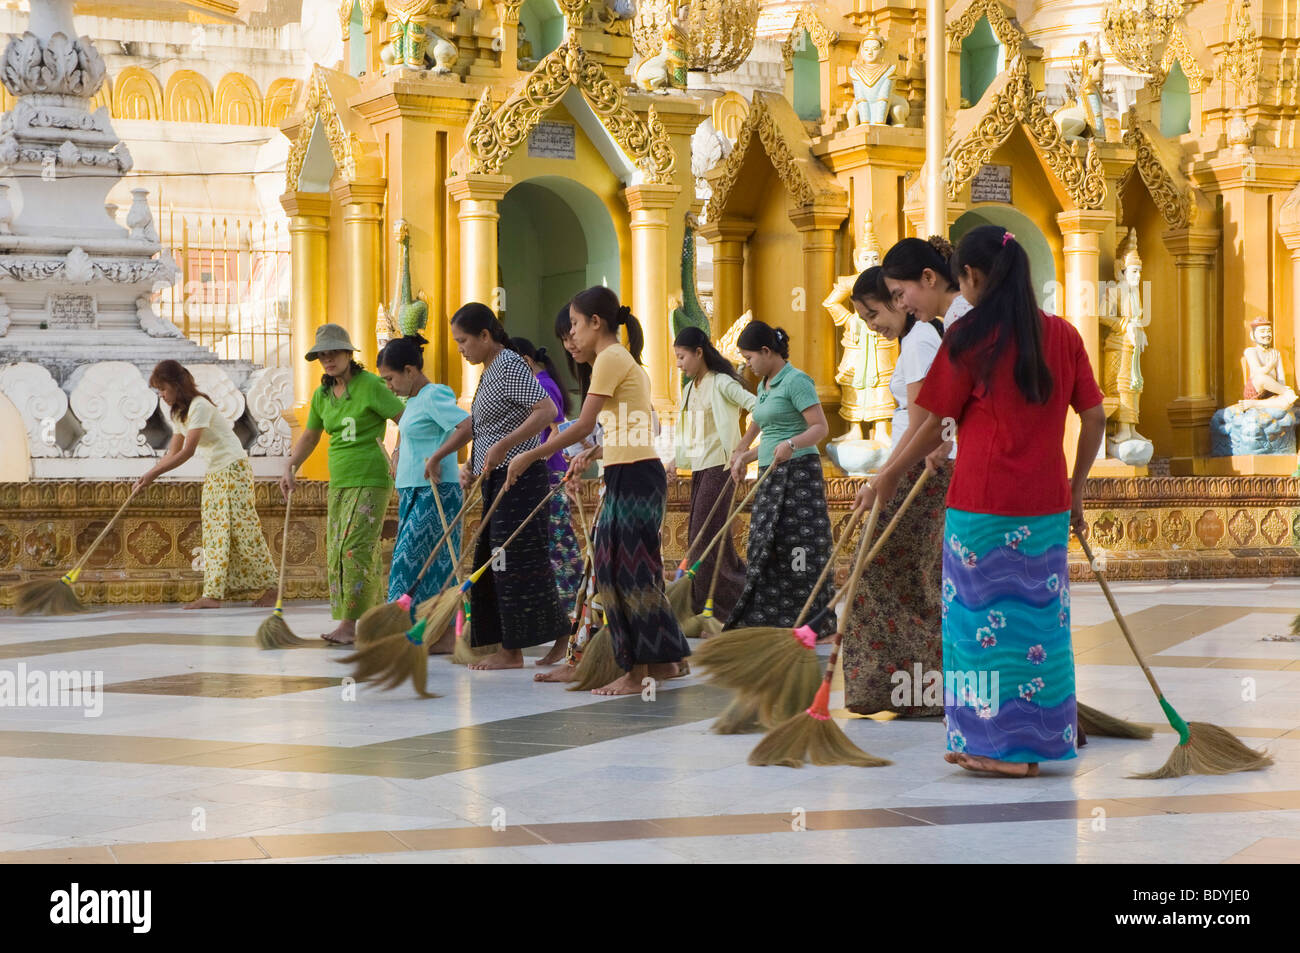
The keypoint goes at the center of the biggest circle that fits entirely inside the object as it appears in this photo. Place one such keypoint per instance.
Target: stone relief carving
(40, 401)
(270, 393)
(216, 383)
(151, 323)
(59, 65)
(113, 404)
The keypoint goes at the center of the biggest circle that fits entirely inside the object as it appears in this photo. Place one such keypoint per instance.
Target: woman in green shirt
(789, 526)
(353, 406)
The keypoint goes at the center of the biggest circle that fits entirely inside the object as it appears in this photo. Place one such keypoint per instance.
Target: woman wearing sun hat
(353, 406)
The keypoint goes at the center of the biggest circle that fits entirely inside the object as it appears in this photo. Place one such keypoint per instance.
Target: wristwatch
(793, 448)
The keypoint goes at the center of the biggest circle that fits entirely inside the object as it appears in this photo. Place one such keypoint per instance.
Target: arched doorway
(982, 59)
(1042, 263)
(555, 238)
(807, 79)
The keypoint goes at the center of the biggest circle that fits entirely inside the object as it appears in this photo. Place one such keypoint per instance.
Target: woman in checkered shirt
(515, 603)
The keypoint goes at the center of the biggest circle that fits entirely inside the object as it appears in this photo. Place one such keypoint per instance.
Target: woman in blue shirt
(789, 526)
(431, 415)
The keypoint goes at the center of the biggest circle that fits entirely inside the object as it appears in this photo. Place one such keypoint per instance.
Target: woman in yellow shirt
(628, 558)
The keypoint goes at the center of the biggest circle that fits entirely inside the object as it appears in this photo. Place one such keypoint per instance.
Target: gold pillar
(649, 205)
(815, 339)
(309, 226)
(1081, 236)
(363, 203)
(477, 197)
(728, 237)
(1190, 412)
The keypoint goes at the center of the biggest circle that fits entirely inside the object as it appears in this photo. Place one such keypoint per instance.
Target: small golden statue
(1124, 315)
(667, 69)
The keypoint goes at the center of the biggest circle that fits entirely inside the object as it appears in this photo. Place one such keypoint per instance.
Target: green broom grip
(415, 635)
(694, 568)
(1175, 720)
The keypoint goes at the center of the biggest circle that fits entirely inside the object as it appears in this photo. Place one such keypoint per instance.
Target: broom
(275, 633)
(56, 596)
(812, 735)
(684, 565)
(679, 590)
(1202, 748)
(705, 624)
(394, 617)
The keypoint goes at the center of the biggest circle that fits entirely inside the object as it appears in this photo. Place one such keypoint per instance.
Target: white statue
(1082, 113)
(1127, 321)
(1264, 371)
(874, 99)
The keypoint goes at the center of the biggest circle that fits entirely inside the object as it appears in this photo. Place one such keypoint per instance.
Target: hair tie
(1007, 237)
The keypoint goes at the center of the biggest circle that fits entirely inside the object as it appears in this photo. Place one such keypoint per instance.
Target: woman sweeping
(430, 416)
(894, 623)
(1006, 375)
(566, 555)
(789, 528)
(628, 560)
(708, 431)
(353, 406)
(515, 603)
(235, 554)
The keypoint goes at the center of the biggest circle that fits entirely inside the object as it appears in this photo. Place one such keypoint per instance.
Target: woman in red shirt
(1003, 379)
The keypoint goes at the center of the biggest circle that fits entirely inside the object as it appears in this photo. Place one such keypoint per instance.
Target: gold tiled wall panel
(1147, 528)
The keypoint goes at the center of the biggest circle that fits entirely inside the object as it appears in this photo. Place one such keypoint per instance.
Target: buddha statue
(874, 100)
(1264, 372)
(1124, 316)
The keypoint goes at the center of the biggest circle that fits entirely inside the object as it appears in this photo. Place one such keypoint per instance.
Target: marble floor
(202, 748)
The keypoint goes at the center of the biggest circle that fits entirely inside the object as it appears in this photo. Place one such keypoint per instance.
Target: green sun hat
(329, 337)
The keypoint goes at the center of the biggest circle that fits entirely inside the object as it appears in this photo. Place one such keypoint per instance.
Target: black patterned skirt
(630, 567)
(516, 605)
(706, 486)
(789, 544)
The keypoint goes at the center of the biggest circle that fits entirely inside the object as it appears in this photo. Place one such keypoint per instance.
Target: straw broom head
(377, 622)
(1094, 722)
(1209, 750)
(275, 633)
(738, 718)
(390, 661)
(597, 667)
(47, 597)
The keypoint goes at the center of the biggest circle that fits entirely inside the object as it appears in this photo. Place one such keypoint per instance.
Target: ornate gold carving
(343, 148)
(1179, 52)
(1008, 33)
(1176, 204)
(1240, 60)
(823, 37)
(1137, 31)
(760, 123)
(1018, 102)
(720, 33)
(493, 135)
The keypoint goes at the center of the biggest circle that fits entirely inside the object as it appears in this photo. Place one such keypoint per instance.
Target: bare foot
(345, 634)
(556, 653)
(628, 684)
(445, 645)
(564, 673)
(667, 670)
(265, 600)
(501, 658)
(205, 603)
(981, 765)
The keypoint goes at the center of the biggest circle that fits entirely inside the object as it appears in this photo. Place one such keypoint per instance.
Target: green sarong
(355, 524)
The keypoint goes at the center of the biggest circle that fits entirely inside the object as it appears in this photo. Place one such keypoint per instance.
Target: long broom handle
(76, 570)
(442, 518)
(826, 570)
(743, 503)
(433, 553)
(855, 574)
(1123, 626)
(284, 553)
(474, 576)
(690, 545)
(717, 571)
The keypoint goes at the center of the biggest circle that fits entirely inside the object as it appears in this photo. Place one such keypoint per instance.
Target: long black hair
(909, 258)
(1007, 313)
(475, 318)
(758, 335)
(539, 355)
(401, 353)
(693, 338)
(599, 300)
(581, 372)
(871, 284)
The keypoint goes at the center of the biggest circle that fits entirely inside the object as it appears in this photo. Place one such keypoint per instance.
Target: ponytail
(401, 353)
(758, 335)
(539, 355)
(909, 258)
(599, 301)
(1007, 312)
(475, 318)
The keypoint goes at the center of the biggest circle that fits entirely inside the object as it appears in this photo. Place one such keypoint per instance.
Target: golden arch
(239, 102)
(729, 112)
(137, 95)
(188, 98)
(104, 97)
(279, 100)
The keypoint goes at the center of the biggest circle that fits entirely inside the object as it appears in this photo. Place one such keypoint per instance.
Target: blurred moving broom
(393, 618)
(462, 653)
(684, 565)
(706, 624)
(56, 596)
(1202, 748)
(275, 633)
(679, 590)
(813, 735)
